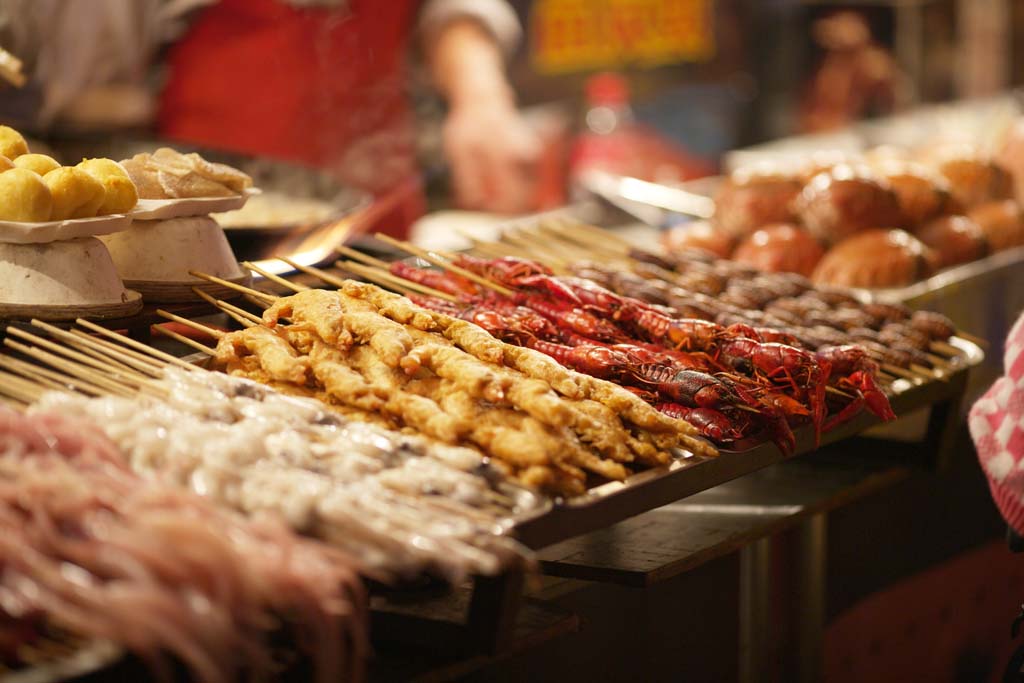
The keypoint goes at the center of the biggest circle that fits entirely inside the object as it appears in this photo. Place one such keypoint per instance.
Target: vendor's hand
(493, 154)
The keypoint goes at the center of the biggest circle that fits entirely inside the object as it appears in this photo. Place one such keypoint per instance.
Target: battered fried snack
(76, 194)
(121, 193)
(40, 163)
(12, 144)
(24, 196)
(376, 354)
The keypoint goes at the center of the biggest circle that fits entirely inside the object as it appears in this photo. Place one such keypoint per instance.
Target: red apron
(325, 87)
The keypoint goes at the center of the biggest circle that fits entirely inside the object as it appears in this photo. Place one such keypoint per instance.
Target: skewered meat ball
(748, 200)
(780, 247)
(844, 201)
(955, 239)
(876, 258)
(1000, 223)
(699, 235)
(974, 180)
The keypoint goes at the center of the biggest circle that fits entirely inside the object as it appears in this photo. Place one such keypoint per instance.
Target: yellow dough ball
(24, 196)
(5, 163)
(76, 194)
(12, 145)
(40, 163)
(121, 193)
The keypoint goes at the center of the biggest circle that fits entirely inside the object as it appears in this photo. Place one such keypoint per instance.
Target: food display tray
(163, 209)
(16, 232)
(615, 501)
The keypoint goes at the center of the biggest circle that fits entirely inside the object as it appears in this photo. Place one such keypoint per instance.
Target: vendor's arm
(491, 149)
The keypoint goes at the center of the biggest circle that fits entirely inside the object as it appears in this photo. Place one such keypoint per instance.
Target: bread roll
(40, 163)
(781, 248)
(844, 201)
(121, 194)
(24, 196)
(76, 194)
(955, 239)
(875, 258)
(5, 163)
(698, 235)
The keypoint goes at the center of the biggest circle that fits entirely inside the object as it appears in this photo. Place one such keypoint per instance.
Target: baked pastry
(24, 196)
(12, 144)
(953, 239)
(698, 235)
(5, 163)
(1000, 223)
(976, 180)
(875, 258)
(40, 163)
(750, 199)
(76, 194)
(781, 248)
(841, 202)
(120, 195)
(921, 194)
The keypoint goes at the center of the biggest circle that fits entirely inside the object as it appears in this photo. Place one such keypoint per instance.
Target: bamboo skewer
(295, 287)
(329, 278)
(199, 327)
(431, 258)
(23, 368)
(19, 388)
(977, 341)
(155, 366)
(354, 255)
(87, 345)
(115, 374)
(160, 329)
(237, 287)
(386, 277)
(78, 370)
(135, 344)
(11, 69)
(239, 315)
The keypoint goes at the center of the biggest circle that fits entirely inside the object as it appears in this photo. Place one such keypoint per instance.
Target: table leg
(755, 611)
(813, 553)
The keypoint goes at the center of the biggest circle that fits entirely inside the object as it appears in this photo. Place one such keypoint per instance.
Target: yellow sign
(579, 35)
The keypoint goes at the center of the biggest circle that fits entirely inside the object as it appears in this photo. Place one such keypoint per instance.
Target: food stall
(245, 433)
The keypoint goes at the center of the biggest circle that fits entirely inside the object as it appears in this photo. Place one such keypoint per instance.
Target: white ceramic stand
(155, 257)
(62, 280)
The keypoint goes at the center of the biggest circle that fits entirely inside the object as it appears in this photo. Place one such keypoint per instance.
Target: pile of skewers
(377, 357)
(159, 506)
(729, 382)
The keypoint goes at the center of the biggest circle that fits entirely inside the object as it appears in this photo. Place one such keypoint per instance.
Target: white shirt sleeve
(497, 16)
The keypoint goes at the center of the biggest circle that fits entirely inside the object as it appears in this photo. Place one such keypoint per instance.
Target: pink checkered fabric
(996, 422)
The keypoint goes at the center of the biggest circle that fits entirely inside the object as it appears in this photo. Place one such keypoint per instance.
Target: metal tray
(615, 501)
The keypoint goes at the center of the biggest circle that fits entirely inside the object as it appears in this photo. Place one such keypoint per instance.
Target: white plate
(15, 232)
(160, 209)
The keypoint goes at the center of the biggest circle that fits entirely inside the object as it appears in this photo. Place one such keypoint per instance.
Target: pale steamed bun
(40, 163)
(76, 194)
(24, 196)
(12, 145)
(121, 193)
